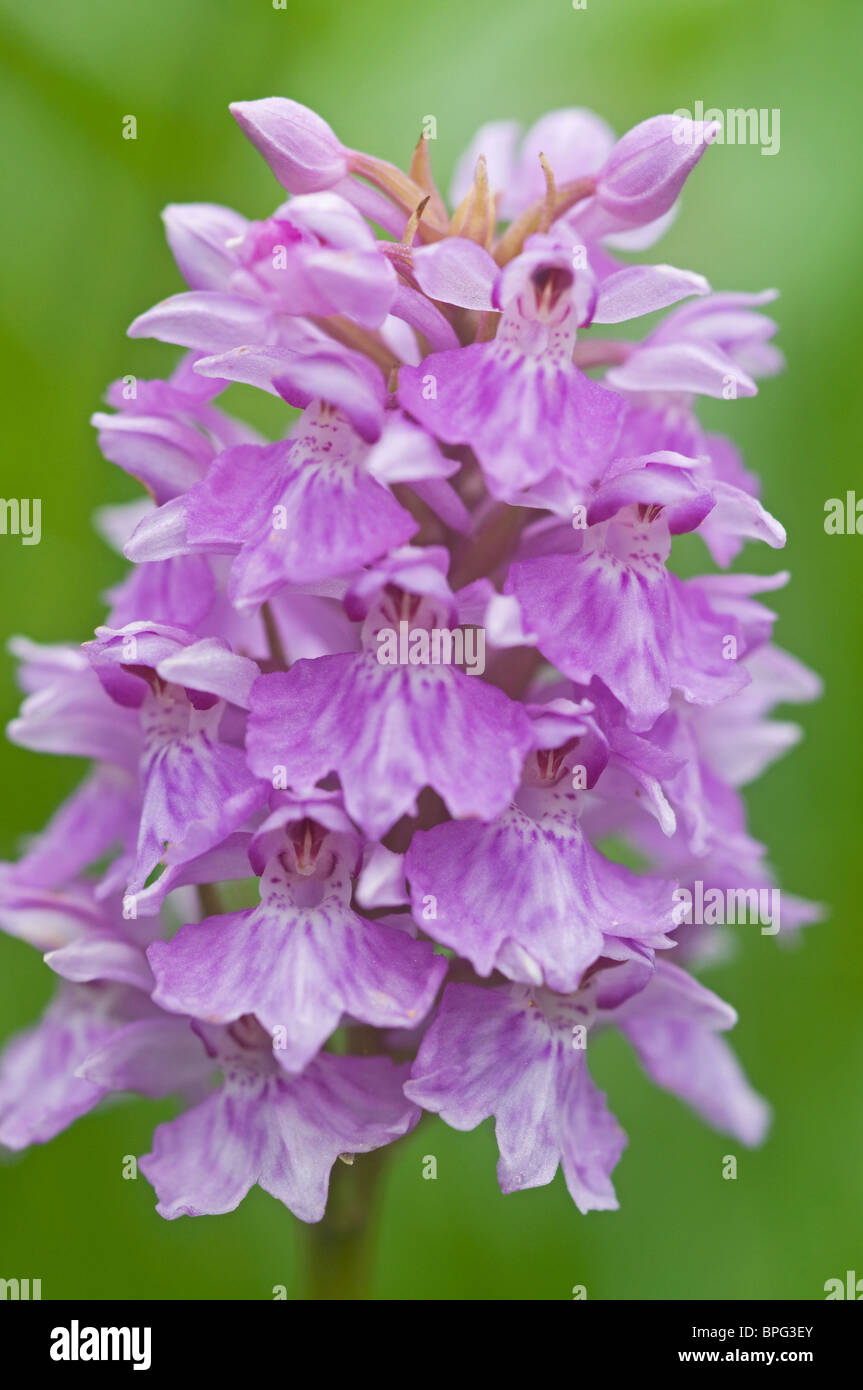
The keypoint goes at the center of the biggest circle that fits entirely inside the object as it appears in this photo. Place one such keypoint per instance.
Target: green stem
(210, 900)
(340, 1249)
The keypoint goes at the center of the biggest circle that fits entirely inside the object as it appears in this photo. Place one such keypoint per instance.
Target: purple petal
(176, 590)
(283, 1134)
(351, 383)
(153, 1056)
(389, 732)
(204, 1162)
(339, 1105)
(647, 168)
(198, 234)
(100, 813)
(523, 416)
(97, 957)
(298, 145)
(455, 271)
(209, 665)
(696, 367)
(206, 320)
(298, 970)
(196, 790)
(642, 289)
(40, 1093)
(72, 715)
(331, 519)
(495, 1052)
(672, 1024)
(164, 455)
(531, 898)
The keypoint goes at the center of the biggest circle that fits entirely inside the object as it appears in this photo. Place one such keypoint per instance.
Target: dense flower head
(378, 696)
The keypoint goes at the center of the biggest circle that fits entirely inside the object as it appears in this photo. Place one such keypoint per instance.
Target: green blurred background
(83, 254)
